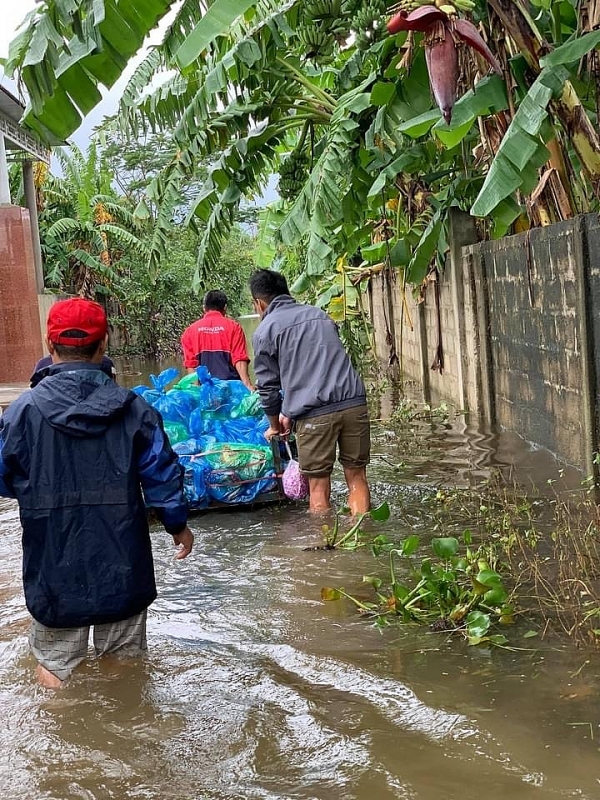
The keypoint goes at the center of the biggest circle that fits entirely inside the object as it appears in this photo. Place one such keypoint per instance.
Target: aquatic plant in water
(354, 537)
(455, 589)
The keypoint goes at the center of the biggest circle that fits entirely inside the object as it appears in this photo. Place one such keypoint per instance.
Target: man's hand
(270, 432)
(185, 541)
(285, 426)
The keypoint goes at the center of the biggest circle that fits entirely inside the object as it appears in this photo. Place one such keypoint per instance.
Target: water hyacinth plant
(456, 589)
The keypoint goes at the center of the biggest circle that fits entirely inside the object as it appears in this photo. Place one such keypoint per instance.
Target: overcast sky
(12, 16)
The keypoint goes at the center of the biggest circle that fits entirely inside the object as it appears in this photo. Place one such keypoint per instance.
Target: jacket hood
(80, 399)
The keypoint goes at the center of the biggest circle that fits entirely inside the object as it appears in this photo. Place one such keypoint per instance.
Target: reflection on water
(253, 688)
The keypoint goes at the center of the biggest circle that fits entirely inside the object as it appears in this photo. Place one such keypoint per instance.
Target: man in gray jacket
(304, 374)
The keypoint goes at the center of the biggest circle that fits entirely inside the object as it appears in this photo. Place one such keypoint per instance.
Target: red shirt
(216, 342)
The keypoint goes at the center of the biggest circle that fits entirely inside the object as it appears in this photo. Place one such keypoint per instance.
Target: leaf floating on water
(381, 513)
(478, 624)
(330, 594)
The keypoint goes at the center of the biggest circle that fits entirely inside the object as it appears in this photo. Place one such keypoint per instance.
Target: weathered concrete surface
(520, 333)
(534, 338)
(20, 333)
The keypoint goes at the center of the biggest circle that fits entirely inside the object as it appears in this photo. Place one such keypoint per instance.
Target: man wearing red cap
(84, 457)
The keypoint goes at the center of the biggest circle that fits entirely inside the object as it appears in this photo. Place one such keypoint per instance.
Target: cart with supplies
(217, 428)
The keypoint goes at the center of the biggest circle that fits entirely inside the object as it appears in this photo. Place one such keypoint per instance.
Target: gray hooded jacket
(297, 351)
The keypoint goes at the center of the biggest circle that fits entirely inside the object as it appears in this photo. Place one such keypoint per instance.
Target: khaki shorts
(60, 650)
(319, 437)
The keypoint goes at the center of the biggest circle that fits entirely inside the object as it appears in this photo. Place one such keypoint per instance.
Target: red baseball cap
(76, 322)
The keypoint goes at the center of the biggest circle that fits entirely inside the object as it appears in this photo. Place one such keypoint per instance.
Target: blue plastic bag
(224, 486)
(194, 481)
(175, 406)
(238, 392)
(164, 378)
(157, 396)
(214, 393)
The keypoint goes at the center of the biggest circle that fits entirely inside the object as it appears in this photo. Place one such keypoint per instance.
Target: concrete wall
(520, 333)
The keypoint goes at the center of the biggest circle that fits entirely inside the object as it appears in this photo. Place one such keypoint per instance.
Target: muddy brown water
(254, 688)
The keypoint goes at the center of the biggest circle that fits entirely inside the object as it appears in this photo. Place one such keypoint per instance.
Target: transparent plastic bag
(239, 473)
(294, 483)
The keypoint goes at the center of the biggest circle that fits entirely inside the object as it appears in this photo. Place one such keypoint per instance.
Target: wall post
(485, 380)
(462, 233)
(581, 259)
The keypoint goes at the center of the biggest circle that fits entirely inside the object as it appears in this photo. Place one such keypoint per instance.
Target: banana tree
(84, 225)
(66, 49)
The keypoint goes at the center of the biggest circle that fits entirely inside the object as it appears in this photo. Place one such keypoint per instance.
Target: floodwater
(255, 688)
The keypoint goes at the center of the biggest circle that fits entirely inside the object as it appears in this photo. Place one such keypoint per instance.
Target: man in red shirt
(217, 342)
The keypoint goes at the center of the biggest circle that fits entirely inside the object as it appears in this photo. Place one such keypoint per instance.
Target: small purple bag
(295, 484)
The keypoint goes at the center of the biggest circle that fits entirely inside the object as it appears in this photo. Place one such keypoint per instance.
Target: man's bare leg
(46, 678)
(359, 495)
(320, 494)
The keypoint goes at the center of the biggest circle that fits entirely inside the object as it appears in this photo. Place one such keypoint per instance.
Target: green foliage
(354, 537)
(84, 225)
(153, 311)
(94, 240)
(318, 92)
(454, 587)
(522, 150)
(67, 49)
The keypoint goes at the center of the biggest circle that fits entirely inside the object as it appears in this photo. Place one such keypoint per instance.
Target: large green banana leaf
(68, 48)
(522, 150)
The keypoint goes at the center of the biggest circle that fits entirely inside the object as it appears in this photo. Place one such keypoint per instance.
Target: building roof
(10, 106)
(17, 137)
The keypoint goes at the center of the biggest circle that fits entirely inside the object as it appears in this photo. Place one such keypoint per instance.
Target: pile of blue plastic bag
(217, 428)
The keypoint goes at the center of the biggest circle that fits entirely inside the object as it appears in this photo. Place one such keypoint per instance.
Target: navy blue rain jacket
(76, 452)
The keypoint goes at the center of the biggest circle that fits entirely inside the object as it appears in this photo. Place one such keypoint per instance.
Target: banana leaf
(522, 150)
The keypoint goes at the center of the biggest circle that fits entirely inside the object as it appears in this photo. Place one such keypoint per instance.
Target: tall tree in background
(84, 225)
